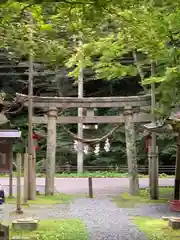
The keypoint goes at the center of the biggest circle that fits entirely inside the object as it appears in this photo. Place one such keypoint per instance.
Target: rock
(166, 218)
(37, 192)
(174, 223)
(4, 232)
(25, 224)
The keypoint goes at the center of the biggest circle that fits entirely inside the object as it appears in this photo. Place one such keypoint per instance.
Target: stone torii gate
(127, 105)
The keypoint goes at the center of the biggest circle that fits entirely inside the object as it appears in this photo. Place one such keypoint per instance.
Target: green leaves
(17, 29)
(113, 70)
(150, 80)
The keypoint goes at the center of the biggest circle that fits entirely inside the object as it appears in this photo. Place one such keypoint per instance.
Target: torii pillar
(51, 151)
(131, 150)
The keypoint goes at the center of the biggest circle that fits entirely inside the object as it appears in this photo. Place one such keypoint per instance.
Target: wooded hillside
(118, 47)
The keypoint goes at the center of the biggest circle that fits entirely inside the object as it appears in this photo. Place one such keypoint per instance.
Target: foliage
(116, 39)
(30, 33)
(148, 33)
(96, 174)
(52, 229)
(155, 229)
(59, 198)
(125, 200)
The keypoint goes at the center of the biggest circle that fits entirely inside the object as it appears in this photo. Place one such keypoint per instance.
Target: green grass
(97, 174)
(48, 200)
(125, 200)
(156, 229)
(70, 229)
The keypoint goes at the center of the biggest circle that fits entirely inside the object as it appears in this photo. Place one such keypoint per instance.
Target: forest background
(116, 43)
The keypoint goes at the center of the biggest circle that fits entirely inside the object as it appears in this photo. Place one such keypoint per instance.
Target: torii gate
(128, 116)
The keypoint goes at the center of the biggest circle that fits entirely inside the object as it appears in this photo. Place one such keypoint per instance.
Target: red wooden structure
(147, 142)
(36, 137)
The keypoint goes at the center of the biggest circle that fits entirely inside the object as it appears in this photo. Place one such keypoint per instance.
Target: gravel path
(105, 221)
(55, 211)
(152, 210)
(5, 212)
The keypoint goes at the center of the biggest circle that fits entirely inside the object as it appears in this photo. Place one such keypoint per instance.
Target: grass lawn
(70, 229)
(97, 174)
(48, 200)
(125, 200)
(156, 229)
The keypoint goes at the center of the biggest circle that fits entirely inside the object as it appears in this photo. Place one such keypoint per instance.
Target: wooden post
(153, 172)
(131, 151)
(10, 171)
(153, 176)
(90, 187)
(51, 151)
(25, 196)
(80, 153)
(18, 197)
(10, 183)
(177, 171)
(31, 174)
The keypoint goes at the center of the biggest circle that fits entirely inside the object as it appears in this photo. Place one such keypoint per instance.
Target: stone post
(10, 156)
(18, 197)
(51, 151)
(153, 172)
(25, 196)
(131, 150)
(177, 170)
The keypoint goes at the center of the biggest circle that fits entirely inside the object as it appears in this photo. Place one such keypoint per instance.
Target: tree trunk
(31, 173)
(153, 171)
(177, 172)
(51, 152)
(80, 153)
(131, 151)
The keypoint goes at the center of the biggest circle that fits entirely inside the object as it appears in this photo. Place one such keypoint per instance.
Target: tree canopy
(114, 40)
